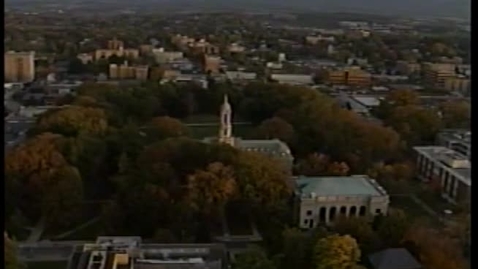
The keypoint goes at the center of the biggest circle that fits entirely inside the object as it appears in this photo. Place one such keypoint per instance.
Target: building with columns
(320, 200)
(448, 168)
(273, 148)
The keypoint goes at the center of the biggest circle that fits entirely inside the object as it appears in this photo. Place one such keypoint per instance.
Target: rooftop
(459, 135)
(356, 185)
(394, 258)
(455, 162)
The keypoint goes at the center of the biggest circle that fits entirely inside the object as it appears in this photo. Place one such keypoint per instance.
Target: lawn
(208, 118)
(89, 212)
(47, 265)
(200, 132)
(409, 206)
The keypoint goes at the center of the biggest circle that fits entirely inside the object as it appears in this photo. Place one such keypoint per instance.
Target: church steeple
(225, 127)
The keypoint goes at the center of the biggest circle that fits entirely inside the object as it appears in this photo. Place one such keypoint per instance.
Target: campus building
(116, 252)
(458, 140)
(448, 168)
(19, 66)
(354, 77)
(273, 148)
(320, 200)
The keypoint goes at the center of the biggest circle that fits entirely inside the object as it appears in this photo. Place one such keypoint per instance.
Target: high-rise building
(19, 66)
(115, 44)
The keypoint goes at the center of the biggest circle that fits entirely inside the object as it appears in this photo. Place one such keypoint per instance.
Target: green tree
(276, 128)
(392, 227)
(165, 127)
(253, 258)
(295, 249)
(415, 124)
(360, 229)
(73, 120)
(336, 252)
(456, 114)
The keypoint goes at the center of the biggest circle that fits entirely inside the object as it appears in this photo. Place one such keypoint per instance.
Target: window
(306, 221)
(309, 212)
(378, 211)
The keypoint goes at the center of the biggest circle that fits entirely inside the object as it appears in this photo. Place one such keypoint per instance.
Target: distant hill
(441, 8)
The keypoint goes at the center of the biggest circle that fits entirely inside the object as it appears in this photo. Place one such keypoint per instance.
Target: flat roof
(438, 152)
(357, 185)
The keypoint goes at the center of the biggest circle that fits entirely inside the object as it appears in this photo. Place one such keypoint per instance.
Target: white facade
(447, 167)
(320, 200)
(293, 79)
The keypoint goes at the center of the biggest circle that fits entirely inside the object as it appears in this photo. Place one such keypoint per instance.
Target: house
(393, 258)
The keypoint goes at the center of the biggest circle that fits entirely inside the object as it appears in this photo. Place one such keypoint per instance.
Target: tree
(276, 128)
(252, 258)
(165, 127)
(295, 252)
(260, 180)
(209, 190)
(164, 236)
(392, 227)
(395, 99)
(49, 186)
(435, 249)
(360, 229)
(336, 252)
(320, 165)
(396, 171)
(73, 120)
(456, 114)
(415, 124)
(10, 255)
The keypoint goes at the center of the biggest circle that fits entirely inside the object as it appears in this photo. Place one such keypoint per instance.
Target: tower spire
(225, 127)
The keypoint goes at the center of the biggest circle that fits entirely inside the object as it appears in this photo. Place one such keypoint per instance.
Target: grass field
(200, 132)
(47, 265)
(208, 118)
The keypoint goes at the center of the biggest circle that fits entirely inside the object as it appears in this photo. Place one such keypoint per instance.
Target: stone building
(19, 66)
(320, 200)
(273, 148)
(447, 168)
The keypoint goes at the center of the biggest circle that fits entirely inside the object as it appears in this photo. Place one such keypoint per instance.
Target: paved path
(82, 226)
(36, 231)
(425, 207)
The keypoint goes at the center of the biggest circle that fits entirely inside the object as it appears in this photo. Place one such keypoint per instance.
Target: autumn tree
(276, 128)
(260, 180)
(44, 178)
(435, 249)
(456, 114)
(73, 120)
(360, 229)
(320, 165)
(165, 127)
(253, 258)
(415, 124)
(336, 252)
(208, 190)
(397, 98)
